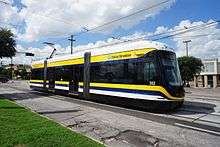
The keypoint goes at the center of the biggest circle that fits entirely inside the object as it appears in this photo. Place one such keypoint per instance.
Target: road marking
(198, 129)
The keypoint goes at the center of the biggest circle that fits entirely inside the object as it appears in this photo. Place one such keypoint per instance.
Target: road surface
(197, 123)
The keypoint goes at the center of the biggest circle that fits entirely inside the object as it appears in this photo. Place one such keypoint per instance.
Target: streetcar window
(63, 73)
(139, 71)
(116, 73)
(171, 69)
(97, 72)
(37, 74)
(125, 72)
(50, 73)
(81, 73)
(150, 76)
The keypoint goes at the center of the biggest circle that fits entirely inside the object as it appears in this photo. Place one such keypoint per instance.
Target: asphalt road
(197, 123)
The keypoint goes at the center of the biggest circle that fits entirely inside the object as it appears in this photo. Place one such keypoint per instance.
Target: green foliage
(22, 128)
(5, 72)
(21, 72)
(7, 43)
(189, 66)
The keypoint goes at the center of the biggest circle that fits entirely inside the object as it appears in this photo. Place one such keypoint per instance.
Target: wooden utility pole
(187, 46)
(12, 71)
(71, 43)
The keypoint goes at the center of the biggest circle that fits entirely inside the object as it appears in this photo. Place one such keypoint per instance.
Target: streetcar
(140, 74)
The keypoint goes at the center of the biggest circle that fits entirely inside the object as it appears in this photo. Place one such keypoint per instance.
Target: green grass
(20, 127)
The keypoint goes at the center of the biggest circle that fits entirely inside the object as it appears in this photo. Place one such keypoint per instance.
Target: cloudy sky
(36, 21)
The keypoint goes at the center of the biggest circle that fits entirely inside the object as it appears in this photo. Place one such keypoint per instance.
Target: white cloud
(49, 18)
(20, 58)
(205, 42)
(9, 16)
(205, 38)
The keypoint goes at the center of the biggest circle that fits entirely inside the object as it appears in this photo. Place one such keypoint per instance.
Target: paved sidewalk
(204, 92)
(113, 129)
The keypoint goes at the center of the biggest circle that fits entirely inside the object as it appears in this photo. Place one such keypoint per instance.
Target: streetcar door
(74, 81)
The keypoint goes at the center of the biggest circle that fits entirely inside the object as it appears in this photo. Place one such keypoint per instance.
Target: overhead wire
(4, 2)
(166, 34)
(193, 28)
(9, 24)
(99, 26)
(199, 35)
(124, 17)
(115, 20)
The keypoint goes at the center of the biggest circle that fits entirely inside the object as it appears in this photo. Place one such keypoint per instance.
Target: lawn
(20, 127)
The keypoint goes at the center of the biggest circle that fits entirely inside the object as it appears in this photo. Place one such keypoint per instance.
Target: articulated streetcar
(139, 74)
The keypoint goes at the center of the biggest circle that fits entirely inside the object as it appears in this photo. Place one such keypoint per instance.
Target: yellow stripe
(37, 81)
(66, 62)
(56, 82)
(135, 87)
(101, 58)
(121, 55)
(37, 65)
(62, 82)
(123, 86)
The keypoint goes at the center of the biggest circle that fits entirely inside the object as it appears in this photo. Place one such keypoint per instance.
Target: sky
(36, 21)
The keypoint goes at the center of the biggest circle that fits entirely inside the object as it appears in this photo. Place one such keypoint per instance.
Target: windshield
(171, 69)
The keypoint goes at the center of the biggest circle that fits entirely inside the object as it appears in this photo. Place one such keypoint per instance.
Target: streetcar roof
(119, 47)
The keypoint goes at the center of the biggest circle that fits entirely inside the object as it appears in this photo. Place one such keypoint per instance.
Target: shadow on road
(24, 95)
(191, 108)
(59, 111)
(188, 108)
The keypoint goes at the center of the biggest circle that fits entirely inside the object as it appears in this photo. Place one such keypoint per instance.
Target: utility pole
(12, 71)
(1, 63)
(187, 46)
(71, 43)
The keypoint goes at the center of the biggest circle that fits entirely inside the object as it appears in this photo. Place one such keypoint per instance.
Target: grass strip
(20, 127)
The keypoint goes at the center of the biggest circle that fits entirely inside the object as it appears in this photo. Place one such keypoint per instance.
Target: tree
(189, 66)
(5, 72)
(7, 43)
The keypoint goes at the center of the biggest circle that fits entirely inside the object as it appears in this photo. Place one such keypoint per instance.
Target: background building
(16, 71)
(210, 75)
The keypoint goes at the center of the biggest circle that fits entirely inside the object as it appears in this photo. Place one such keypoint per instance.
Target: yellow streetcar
(139, 74)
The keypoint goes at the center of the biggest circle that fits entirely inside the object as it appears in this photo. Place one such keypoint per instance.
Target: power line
(119, 19)
(177, 32)
(10, 24)
(55, 19)
(132, 14)
(200, 35)
(193, 28)
(9, 4)
(4, 2)
(94, 28)
(124, 17)
(168, 33)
